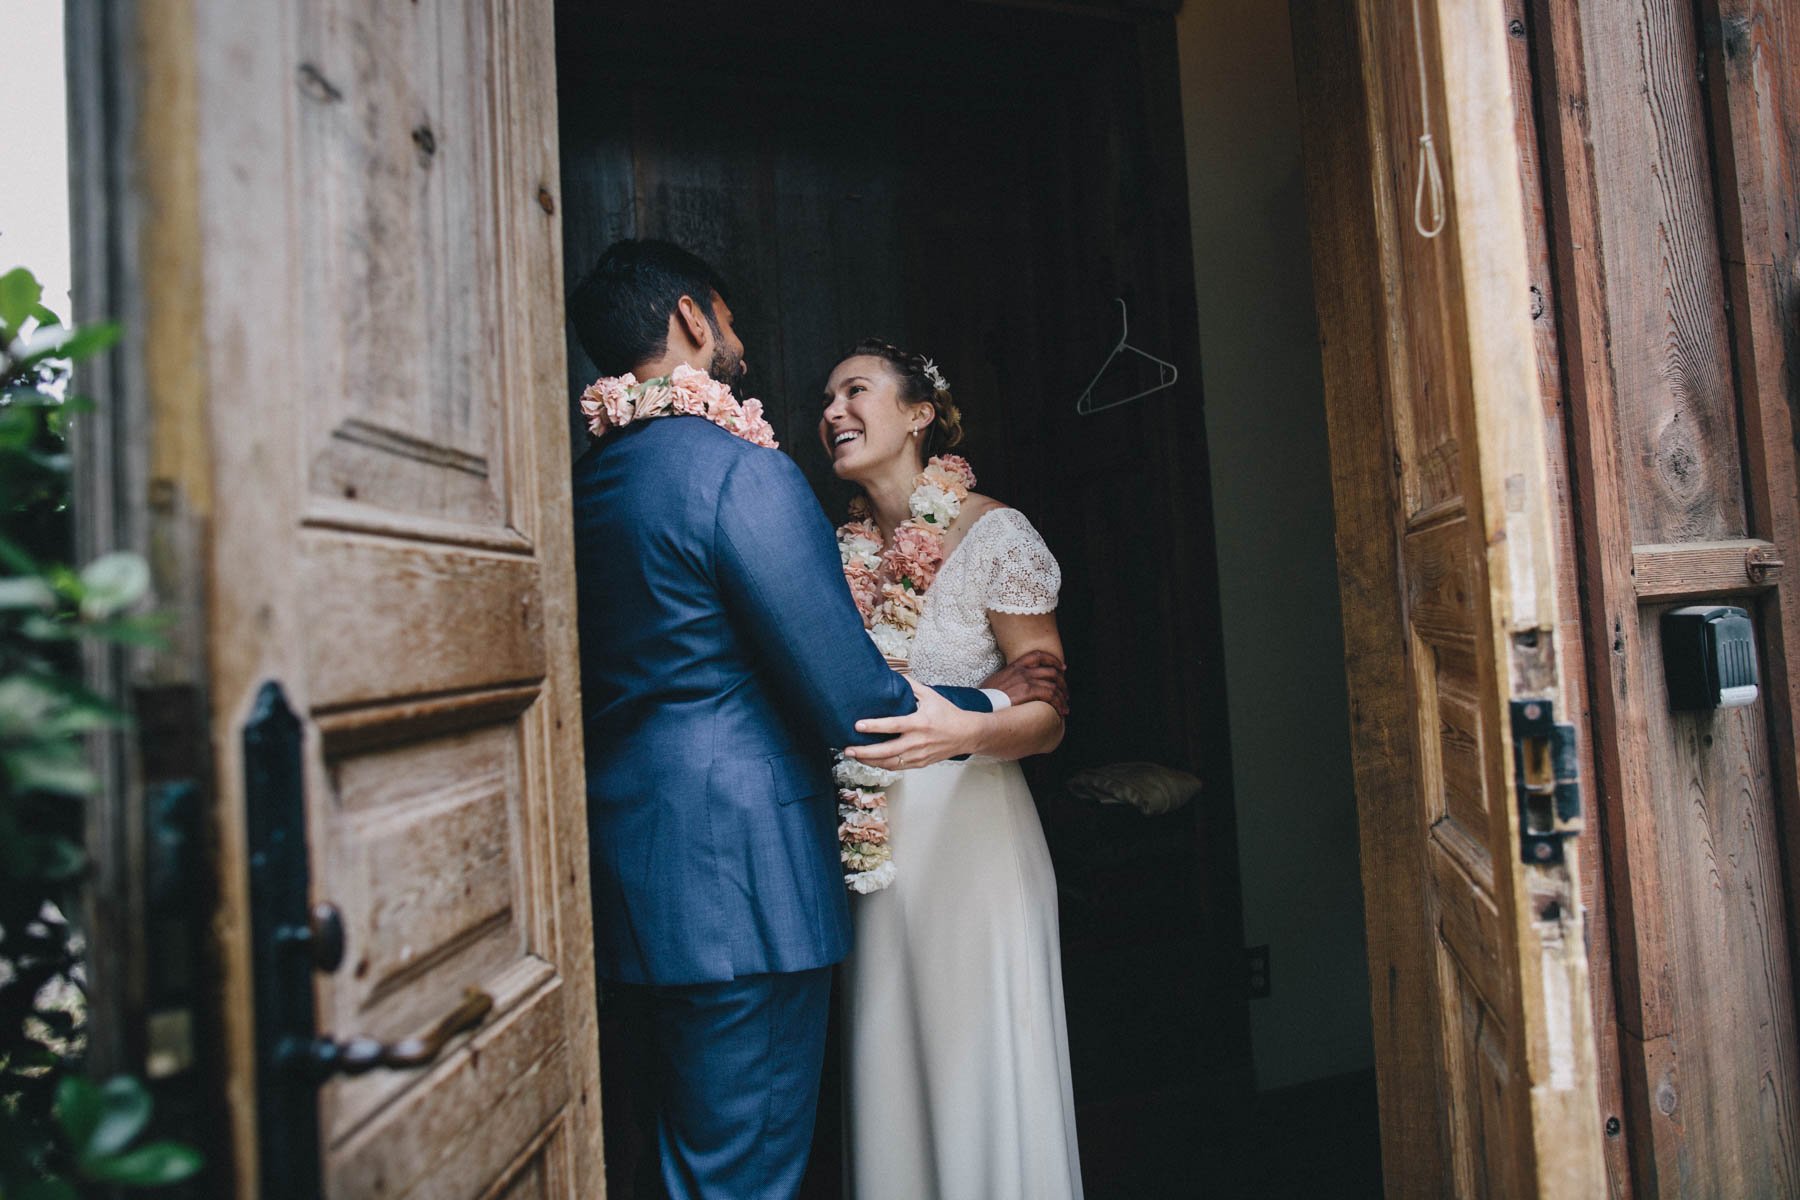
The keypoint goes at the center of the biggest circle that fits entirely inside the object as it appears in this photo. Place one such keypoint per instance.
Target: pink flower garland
(889, 582)
(889, 585)
(617, 400)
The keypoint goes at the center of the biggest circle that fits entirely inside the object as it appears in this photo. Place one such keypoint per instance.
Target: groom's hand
(1034, 675)
(937, 731)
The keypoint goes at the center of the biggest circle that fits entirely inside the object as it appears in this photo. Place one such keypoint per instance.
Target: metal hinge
(1547, 779)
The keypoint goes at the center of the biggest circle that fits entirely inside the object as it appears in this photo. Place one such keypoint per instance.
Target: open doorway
(982, 183)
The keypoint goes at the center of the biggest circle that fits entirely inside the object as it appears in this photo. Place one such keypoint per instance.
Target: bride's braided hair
(917, 387)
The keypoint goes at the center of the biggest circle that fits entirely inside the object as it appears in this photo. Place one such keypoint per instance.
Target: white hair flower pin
(936, 376)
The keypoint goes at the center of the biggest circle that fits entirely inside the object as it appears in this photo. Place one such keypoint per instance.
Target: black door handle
(323, 1057)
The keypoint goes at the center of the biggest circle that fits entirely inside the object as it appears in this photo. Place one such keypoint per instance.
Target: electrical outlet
(1256, 971)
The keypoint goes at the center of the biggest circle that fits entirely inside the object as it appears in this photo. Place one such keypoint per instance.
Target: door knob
(322, 936)
(325, 1056)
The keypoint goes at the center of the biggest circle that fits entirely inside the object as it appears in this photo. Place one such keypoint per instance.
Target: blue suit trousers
(737, 1069)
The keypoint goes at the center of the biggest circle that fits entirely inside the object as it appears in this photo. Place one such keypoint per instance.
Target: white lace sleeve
(1022, 573)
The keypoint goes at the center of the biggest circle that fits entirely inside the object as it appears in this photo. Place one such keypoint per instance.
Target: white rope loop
(1431, 177)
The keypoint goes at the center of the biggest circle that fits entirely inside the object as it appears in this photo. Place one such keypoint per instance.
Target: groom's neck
(656, 368)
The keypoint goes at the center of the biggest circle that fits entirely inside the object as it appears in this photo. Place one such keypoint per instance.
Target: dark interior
(979, 182)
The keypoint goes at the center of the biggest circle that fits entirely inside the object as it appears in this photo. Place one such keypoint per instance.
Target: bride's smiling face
(866, 425)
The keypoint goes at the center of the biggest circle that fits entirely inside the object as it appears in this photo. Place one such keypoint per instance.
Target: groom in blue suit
(721, 658)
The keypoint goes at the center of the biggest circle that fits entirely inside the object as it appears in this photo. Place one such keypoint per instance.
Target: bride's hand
(937, 731)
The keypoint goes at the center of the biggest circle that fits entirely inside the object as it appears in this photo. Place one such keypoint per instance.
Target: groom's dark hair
(621, 307)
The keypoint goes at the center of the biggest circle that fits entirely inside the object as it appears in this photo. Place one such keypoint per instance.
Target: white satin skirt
(956, 1043)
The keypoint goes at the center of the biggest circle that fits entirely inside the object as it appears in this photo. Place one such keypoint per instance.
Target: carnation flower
(874, 878)
(607, 403)
(922, 547)
(854, 798)
(937, 477)
(696, 392)
(863, 835)
(894, 643)
(956, 465)
(899, 607)
(936, 506)
(850, 773)
(754, 427)
(865, 589)
(859, 544)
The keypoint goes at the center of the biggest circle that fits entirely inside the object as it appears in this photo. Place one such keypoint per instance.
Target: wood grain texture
(1692, 569)
(1623, 79)
(1514, 1056)
(1549, 1145)
(1526, 57)
(1347, 263)
(460, 856)
(1729, 1085)
(1754, 78)
(1671, 347)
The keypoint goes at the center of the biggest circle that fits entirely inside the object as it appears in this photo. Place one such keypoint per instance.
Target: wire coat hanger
(1084, 404)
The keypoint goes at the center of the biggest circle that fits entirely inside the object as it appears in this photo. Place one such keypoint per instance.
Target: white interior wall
(1296, 812)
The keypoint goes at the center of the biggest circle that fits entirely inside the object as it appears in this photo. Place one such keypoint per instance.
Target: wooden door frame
(1754, 175)
(1365, 481)
(1349, 177)
(144, 483)
(140, 487)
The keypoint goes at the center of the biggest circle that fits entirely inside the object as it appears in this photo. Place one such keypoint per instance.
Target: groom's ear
(690, 318)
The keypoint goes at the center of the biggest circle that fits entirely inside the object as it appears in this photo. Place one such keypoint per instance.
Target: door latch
(1547, 779)
(289, 943)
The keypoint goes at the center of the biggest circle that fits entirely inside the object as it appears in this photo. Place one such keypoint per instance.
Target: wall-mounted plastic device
(1709, 657)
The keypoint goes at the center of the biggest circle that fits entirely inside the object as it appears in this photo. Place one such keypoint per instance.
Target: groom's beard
(727, 368)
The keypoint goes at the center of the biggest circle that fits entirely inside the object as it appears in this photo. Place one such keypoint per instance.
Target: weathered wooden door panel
(1660, 153)
(385, 433)
(1484, 1041)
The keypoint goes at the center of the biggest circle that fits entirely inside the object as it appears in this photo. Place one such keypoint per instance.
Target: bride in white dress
(956, 1044)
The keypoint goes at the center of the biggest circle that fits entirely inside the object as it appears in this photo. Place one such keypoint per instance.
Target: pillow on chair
(1151, 788)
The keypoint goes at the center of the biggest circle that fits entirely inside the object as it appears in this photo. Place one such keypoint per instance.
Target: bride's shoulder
(976, 506)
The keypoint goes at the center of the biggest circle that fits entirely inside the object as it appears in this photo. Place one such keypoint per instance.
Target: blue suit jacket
(721, 658)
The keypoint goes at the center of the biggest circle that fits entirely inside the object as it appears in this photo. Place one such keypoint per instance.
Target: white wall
(1297, 838)
(34, 150)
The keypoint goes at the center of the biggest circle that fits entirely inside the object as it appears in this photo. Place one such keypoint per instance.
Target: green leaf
(14, 557)
(60, 343)
(148, 1166)
(26, 591)
(57, 767)
(18, 427)
(112, 582)
(45, 316)
(128, 631)
(27, 707)
(20, 293)
(46, 1189)
(78, 1109)
(124, 1112)
(40, 628)
(29, 396)
(53, 858)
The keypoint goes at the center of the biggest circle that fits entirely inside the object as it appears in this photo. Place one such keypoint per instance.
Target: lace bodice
(1001, 565)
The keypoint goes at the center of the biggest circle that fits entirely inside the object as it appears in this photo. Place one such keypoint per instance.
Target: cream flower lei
(889, 584)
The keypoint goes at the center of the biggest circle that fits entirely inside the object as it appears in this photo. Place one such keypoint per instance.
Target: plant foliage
(60, 1132)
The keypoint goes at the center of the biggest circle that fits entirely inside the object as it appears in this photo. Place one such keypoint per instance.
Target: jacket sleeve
(781, 579)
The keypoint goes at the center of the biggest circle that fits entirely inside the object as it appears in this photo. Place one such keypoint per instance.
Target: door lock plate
(1547, 779)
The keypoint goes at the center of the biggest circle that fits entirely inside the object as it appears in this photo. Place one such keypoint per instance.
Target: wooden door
(362, 394)
(1483, 1035)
